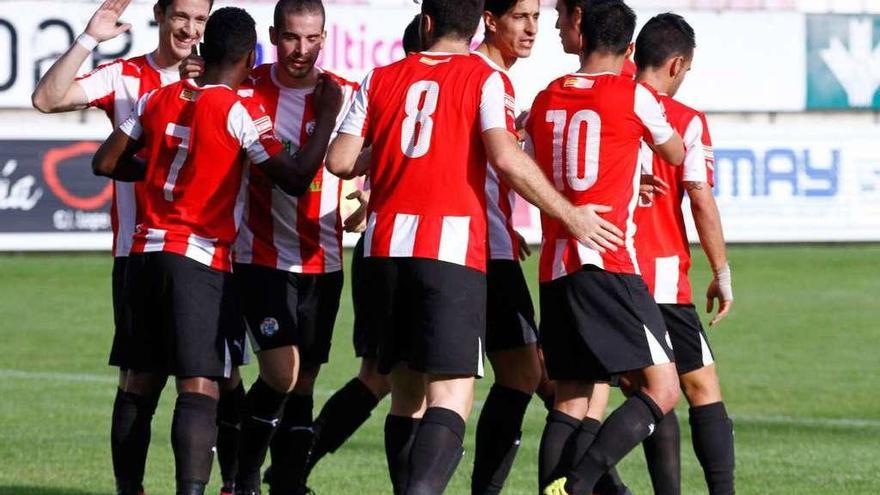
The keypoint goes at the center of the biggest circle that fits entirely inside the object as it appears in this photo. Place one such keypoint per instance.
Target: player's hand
(593, 231)
(649, 186)
(328, 97)
(524, 250)
(357, 221)
(720, 288)
(521, 125)
(104, 25)
(192, 66)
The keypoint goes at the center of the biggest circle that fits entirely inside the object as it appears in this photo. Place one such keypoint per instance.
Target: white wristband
(725, 282)
(87, 41)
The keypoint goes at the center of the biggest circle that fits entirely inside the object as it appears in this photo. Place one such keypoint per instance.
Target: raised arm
(58, 90)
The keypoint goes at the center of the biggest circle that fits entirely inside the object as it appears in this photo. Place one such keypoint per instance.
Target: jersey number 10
(421, 103)
(566, 165)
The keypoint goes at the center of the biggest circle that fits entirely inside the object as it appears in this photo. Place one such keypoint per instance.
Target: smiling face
(299, 40)
(181, 26)
(514, 32)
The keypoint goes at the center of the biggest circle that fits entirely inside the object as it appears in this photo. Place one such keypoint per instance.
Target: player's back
(428, 168)
(193, 169)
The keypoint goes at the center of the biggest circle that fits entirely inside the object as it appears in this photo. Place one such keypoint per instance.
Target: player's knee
(282, 381)
(379, 384)
(305, 382)
(664, 391)
(701, 386)
(519, 369)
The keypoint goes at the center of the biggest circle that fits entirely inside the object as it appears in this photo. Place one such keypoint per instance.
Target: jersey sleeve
(497, 105)
(254, 131)
(650, 113)
(356, 122)
(100, 85)
(132, 127)
(697, 166)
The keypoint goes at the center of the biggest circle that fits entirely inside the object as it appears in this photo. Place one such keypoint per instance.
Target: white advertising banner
(733, 71)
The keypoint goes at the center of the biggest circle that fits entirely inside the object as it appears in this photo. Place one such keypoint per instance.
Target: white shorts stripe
(454, 239)
(707, 353)
(666, 280)
(403, 238)
(658, 354)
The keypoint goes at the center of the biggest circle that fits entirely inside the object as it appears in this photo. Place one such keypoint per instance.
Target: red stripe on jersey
(425, 246)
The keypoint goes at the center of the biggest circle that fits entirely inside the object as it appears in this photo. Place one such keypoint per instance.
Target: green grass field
(798, 360)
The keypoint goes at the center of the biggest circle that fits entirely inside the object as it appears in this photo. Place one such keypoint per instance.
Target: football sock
(193, 436)
(292, 443)
(263, 408)
(627, 427)
(341, 416)
(400, 431)
(130, 433)
(581, 441)
(230, 410)
(712, 434)
(611, 484)
(190, 488)
(498, 437)
(436, 451)
(663, 454)
(559, 431)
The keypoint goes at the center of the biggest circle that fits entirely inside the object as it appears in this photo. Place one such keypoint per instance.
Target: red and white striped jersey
(584, 131)
(297, 234)
(424, 117)
(115, 88)
(190, 200)
(500, 198)
(661, 239)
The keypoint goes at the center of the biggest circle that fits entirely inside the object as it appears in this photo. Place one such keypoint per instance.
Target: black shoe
(128, 488)
(190, 488)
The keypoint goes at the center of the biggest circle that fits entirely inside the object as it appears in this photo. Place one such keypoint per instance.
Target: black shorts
(689, 341)
(430, 315)
(283, 309)
(117, 357)
(182, 316)
(510, 314)
(364, 338)
(596, 324)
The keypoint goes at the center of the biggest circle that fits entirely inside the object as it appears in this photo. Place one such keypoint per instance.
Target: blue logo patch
(269, 327)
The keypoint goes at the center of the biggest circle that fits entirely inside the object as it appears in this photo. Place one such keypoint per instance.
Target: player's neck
(495, 55)
(597, 63)
(449, 45)
(655, 80)
(306, 82)
(219, 76)
(164, 59)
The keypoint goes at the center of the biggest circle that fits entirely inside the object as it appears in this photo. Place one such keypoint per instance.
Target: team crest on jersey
(263, 124)
(246, 93)
(187, 94)
(578, 83)
(431, 61)
(269, 327)
(310, 128)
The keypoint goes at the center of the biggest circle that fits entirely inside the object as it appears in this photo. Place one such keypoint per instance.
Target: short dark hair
(584, 4)
(607, 28)
(500, 7)
(663, 37)
(164, 4)
(412, 38)
(454, 18)
(230, 35)
(286, 7)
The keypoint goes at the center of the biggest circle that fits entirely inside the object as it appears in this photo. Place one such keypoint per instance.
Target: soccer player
(179, 294)
(115, 88)
(568, 22)
(598, 318)
(664, 53)
(511, 333)
(433, 119)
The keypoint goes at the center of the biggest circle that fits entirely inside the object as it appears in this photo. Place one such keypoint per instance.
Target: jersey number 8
(573, 147)
(421, 103)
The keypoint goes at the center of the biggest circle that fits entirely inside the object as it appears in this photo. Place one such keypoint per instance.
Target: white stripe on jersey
(155, 240)
(368, 234)
(403, 238)
(500, 242)
(629, 239)
(454, 239)
(284, 220)
(589, 256)
(200, 249)
(329, 220)
(558, 263)
(666, 275)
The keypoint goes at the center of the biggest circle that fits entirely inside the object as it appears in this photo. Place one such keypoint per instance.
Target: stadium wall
(792, 101)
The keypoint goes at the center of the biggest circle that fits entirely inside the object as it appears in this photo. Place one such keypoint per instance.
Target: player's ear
(676, 65)
(489, 22)
(273, 35)
(630, 49)
(576, 15)
(158, 13)
(251, 59)
(426, 29)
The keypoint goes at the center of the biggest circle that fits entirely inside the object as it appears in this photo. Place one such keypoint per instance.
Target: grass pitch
(797, 357)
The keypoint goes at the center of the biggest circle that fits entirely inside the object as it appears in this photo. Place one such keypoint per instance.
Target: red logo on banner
(56, 157)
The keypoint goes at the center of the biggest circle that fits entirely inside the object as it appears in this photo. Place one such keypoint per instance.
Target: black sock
(193, 436)
(559, 431)
(400, 431)
(712, 433)
(292, 443)
(498, 437)
(436, 451)
(263, 408)
(230, 410)
(130, 433)
(627, 427)
(611, 484)
(580, 443)
(341, 416)
(663, 454)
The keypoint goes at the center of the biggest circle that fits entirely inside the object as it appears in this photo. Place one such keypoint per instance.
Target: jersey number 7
(182, 133)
